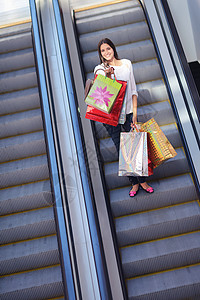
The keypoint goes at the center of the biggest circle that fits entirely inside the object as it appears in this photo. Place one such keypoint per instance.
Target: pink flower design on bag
(101, 96)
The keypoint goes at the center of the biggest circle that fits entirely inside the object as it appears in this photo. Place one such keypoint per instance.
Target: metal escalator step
(160, 111)
(29, 255)
(137, 51)
(22, 146)
(109, 152)
(110, 19)
(151, 91)
(20, 123)
(119, 35)
(16, 60)
(19, 101)
(147, 71)
(99, 11)
(25, 197)
(27, 225)
(168, 191)
(172, 167)
(15, 42)
(40, 284)
(161, 255)
(24, 171)
(152, 225)
(18, 80)
(15, 30)
(183, 283)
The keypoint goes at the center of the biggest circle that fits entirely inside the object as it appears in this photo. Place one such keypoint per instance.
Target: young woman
(123, 70)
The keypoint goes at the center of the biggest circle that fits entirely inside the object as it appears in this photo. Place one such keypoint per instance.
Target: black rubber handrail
(65, 258)
(99, 256)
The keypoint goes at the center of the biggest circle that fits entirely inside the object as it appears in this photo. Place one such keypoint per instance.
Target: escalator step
(183, 283)
(168, 191)
(161, 255)
(19, 101)
(16, 60)
(29, 255)
(25, 197)
(22, 146)
(111, 19)
(40, 284)
(24, 171)
(20, 123)
(27, 225)
(18, 80)
(148, 226)
(119, 35)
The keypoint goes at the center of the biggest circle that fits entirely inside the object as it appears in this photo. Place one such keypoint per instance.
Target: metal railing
(183, 82)
(67, 273)
(82, 160)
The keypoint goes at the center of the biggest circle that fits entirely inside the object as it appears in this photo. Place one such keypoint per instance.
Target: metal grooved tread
(29, 255)
(158, 234)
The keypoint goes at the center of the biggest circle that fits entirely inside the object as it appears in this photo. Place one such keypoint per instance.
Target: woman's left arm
(134, 94)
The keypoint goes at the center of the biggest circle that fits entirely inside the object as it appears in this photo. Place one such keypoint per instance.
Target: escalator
(158, 234)
(29, 256)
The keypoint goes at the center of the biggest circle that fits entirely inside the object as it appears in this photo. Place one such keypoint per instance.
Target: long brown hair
(110, 43)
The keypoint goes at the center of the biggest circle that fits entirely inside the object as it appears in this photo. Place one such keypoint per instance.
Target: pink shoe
(133, 193)
(150, 190)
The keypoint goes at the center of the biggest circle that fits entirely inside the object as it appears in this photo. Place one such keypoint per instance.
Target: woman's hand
(134, 121)
(109, 71)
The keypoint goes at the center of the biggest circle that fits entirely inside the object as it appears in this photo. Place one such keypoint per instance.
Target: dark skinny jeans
(114, 133)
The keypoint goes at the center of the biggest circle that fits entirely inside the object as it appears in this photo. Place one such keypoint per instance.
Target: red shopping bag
(113, 117)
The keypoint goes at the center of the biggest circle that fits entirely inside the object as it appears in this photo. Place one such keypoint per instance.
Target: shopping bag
(160, 148)
(133, 154)
(103, 93)
(122, 117)
(113, 117)
(89, 82)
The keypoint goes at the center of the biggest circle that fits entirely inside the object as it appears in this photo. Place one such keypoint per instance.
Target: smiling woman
(13, 11)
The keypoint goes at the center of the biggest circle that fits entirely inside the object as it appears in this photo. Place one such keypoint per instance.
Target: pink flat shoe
(133, 193)
(150, 190)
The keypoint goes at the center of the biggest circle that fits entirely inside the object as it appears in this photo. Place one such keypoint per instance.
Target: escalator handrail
(171, 98)
(58, 209)
(95, 234)
(188, 75)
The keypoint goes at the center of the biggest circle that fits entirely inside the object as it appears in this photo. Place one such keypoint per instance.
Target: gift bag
(113, 117)
(159, 147)
(122, 117)
(133, 154)
(103, 93)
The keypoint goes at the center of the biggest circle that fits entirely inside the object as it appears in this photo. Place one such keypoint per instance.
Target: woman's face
(107, 52)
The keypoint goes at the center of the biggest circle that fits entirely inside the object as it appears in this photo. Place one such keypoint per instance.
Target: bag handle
(106, 74)
(135, 128)
(98, 70)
